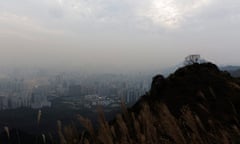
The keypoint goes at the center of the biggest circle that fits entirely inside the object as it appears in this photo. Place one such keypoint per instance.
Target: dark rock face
(158, 85)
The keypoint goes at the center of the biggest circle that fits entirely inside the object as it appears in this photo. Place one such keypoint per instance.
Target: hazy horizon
(117, 35)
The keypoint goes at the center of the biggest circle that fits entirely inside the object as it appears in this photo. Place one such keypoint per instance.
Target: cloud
(172, 13)
(13, 25)
(101, 14)
(76, 15)
(85, 30)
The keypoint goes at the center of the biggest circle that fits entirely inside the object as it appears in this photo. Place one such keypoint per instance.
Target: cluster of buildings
(76, 92)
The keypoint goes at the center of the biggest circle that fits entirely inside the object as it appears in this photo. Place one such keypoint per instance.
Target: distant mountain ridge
(229, 68)
(233, 70)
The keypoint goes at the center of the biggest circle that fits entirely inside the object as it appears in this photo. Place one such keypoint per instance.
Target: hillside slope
(196, 104)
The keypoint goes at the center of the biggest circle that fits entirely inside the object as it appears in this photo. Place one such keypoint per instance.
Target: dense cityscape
(76, 91)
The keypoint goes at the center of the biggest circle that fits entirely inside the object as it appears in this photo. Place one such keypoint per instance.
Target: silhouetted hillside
(196, 104)
(200, 86)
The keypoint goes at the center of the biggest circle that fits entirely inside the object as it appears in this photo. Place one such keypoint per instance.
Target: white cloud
(74, 14)
(172, 13)
(13, 25)
(158, 28)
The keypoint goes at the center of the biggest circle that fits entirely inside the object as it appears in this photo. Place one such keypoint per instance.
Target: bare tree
(191, 59)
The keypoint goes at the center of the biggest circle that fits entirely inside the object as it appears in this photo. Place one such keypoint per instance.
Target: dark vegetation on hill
(202, 87)
(196, 104)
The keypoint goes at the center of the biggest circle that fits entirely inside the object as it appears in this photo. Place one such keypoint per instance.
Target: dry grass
(149, 127)
(6, 129)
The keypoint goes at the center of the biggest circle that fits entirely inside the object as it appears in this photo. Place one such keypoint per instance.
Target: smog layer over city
(65, 59)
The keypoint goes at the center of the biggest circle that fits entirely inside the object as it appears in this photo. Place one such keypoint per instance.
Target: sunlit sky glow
(171, 13)
(119, 34)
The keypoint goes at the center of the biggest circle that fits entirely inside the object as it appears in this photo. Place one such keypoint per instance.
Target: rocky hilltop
(207, 91)
(198, 103)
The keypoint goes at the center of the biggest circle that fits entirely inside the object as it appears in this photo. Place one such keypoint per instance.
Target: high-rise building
(75, 90)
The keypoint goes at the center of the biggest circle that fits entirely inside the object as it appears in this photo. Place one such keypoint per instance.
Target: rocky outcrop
(206, 90)
(158, 85)
(196, 104)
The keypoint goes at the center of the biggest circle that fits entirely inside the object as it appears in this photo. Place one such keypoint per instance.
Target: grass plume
(147, 127)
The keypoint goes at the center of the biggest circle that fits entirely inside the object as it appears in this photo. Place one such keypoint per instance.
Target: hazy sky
(117, 34)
